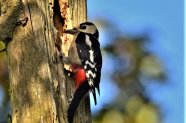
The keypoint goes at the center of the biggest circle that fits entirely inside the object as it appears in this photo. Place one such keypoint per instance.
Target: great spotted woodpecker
(85, 59)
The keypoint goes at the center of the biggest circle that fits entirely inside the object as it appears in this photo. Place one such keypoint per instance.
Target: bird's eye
(83, 27)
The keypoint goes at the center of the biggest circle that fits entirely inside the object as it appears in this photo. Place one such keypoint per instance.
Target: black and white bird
(85, 59)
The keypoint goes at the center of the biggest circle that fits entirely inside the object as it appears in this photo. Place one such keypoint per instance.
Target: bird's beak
(71, 31)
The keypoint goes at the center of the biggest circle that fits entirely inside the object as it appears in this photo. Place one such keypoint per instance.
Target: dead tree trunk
(39, 90)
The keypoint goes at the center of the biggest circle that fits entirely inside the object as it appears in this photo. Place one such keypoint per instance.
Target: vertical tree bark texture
(32, 95)
(74, 12)
(39, 89)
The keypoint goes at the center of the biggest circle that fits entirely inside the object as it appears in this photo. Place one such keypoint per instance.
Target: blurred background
(142, 77)
(142, 45)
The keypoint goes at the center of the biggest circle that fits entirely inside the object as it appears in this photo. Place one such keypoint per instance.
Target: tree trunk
(39, 89)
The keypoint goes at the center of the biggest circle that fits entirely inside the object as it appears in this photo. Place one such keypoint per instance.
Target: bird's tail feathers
(93, 90)
(98, 90)
(78, 95)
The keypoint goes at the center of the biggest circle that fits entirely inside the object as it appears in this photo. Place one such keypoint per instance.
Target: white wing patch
(91, 55)
(90, 64)
(95, 69)
(90, 73)
(93, 75)
(91, 83)
(87, 41)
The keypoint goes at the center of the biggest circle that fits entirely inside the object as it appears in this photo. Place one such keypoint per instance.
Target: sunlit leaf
(113, 116)
(147, 114)
(133, 105)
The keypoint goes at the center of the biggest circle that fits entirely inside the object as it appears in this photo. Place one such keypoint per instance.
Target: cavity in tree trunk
(39, 90)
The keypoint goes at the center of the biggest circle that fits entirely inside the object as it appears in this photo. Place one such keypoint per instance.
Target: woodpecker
(85, 60)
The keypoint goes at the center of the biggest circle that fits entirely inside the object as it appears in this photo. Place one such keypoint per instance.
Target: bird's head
(87, 28)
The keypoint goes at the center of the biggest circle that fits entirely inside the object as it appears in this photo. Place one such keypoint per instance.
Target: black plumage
(85, 52)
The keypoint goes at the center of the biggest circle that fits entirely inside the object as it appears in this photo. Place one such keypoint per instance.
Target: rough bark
(39, 90)
(73, 13)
